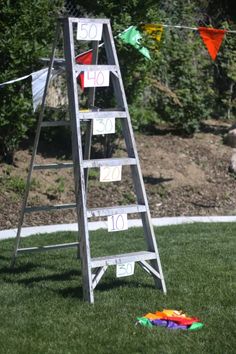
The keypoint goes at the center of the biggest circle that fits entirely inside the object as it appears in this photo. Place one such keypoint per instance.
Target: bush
(27, 29)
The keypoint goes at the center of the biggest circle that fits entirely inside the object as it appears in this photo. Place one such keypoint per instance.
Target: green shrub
(27, 29)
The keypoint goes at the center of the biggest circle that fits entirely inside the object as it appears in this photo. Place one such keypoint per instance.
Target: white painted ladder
(94, 268)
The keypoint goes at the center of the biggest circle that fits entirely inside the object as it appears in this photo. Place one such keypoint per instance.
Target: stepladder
(96, 111)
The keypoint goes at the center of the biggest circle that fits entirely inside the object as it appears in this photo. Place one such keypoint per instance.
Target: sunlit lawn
(42, 310)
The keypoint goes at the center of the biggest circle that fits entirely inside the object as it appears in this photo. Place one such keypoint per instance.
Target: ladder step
(102, 114)
(109, 162)
(47, 248)
(50, 166)
(56, 61)
(122, 258)
(59, 123)
(79, 68)
(49, 207)
(87, 20)
(120, 209)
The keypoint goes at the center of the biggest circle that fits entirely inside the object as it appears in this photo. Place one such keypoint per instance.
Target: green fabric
(132, 36)
(144, 322)
(195, 326)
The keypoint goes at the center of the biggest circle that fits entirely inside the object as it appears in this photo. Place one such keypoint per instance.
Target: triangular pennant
(154, 30)
(212, 39)
(86, 59)
(132, 36)
(38, 84)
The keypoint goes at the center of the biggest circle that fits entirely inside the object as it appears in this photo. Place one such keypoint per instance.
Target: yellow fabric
(173, 313)
(157, 315)
(155, 31)
(165, 313)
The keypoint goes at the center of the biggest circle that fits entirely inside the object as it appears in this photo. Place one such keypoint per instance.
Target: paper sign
(97, 78)
(103, 126)
(110, 173)
(117, 222)
(125, 269)
(89, 31)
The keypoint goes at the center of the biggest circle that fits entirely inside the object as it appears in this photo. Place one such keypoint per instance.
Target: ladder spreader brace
(93, 268)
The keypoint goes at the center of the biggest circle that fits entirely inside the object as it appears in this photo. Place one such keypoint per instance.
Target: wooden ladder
(94, 268)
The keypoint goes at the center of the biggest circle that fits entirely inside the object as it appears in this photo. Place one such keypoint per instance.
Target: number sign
(125, 269)
(96, 78)
(89, 31)
(110, 173)
(103, 126)
(117, 222)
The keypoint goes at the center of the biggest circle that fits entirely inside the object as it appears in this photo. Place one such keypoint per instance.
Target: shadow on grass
(77, 292)
(19, 269)
(4, 258)
(32, 280)
(66, 276)
(118, 283)
(71, 292)
(36, 280)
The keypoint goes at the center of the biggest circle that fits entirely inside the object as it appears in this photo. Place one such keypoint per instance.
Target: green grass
(42, 310)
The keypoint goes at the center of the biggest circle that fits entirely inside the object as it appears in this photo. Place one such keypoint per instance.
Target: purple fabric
(162, 323)
(174, 325)
(168, 324)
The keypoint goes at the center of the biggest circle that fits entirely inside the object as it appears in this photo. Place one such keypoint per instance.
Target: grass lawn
(42, 310)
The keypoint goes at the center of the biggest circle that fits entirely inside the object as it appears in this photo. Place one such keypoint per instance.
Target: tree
(27, 28)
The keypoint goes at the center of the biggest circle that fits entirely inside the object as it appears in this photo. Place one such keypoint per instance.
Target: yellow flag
(155, 31)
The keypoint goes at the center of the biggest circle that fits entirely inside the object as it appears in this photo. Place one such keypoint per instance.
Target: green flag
(132, 36)
(143, 321)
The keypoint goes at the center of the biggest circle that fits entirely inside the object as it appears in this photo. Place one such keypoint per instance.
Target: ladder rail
(36, 141)
(132, 152)
(80, 185)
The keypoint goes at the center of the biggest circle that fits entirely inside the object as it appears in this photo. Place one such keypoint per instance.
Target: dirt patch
(182, 176)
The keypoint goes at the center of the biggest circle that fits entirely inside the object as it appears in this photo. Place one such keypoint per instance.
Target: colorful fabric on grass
(212, 38)
(170, 319)
(85, 59)
(132, 36)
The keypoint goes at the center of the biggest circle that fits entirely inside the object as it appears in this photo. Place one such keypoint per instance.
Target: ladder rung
(59, 123)
(57, 61)
(79, 67)
(102, 114)
(49, 207)
(125, 209)
(87, 20)
(47, 248)
(53, 166)
(122, 258)
(109, 162)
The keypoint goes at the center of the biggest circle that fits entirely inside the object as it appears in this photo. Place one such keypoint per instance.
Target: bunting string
(192, 28)
(211, 37)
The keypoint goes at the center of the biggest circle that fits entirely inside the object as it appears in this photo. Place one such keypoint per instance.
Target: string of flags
(211, 37)
(171, 319)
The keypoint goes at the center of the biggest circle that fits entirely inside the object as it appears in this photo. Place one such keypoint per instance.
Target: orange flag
(212, 39)
(84, 58)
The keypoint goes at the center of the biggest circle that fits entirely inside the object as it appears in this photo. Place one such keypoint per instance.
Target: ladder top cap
(85, 20)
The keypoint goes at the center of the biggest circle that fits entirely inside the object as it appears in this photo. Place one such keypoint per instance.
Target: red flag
(86, 59)
(212, 39)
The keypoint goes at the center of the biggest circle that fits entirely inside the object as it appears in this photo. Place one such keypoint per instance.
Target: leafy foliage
(180, 85)
(26, 29)
(225, 79)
